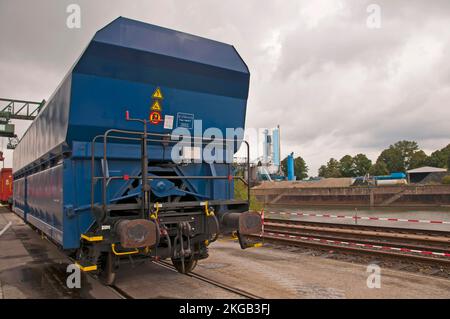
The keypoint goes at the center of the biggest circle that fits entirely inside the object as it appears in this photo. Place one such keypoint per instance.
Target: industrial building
(426, 174)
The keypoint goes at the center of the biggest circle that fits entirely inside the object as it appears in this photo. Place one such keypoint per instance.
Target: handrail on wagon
(163, 139)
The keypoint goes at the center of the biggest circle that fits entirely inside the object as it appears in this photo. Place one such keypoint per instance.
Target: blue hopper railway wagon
(112, 166)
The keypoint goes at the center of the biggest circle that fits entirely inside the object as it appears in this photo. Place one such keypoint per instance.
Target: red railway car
(6, 184)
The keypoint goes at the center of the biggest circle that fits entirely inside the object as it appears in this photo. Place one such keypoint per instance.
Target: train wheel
(189, 264)
(107, 274)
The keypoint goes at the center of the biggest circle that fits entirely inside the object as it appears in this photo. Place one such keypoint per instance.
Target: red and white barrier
(363, 218)
(262, 222)
(423, 252)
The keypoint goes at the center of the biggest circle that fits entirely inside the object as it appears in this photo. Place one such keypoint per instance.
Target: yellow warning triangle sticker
(157, 94)
(156, 106)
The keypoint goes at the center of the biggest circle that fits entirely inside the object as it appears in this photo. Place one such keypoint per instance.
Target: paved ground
(31, 267)
(272, 273)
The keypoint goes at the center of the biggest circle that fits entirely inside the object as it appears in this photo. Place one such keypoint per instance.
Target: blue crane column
(290, 167)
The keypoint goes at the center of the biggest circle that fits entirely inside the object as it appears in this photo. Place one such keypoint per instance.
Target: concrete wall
(405, 195)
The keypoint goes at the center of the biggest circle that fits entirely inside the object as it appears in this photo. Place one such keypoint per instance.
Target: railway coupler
(248, 226)
(138, 233)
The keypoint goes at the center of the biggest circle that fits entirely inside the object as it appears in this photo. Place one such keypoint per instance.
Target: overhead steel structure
(12, 109)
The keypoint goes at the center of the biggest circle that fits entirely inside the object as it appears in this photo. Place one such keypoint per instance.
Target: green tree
(300, 167)
(407, 149)
(398, 156)
(361, 165)
(322, 170)
(418, 159)
(440, 158)
(346, 166)
(378, 169)
(332, 169)
(392, 159)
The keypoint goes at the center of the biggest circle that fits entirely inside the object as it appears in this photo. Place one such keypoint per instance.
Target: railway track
(213, 282)
(124, 295)
(428, 246)
(120, 292)
(115, 289)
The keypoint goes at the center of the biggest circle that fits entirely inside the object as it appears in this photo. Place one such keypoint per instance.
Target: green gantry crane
(16, 110)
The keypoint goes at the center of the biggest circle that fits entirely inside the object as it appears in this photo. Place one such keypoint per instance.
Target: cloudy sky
(335, 85)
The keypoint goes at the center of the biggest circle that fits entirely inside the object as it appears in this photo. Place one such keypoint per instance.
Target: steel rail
(417, 231)
(118, 291)
(213, 282)
(124, 295)
(288, 231)
(367, 233)
(376, 241)
(322, 245)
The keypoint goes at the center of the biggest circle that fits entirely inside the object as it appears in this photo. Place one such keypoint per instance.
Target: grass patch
(240, 192)
(446, 179)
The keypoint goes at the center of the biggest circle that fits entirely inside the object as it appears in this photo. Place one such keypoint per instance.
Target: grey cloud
(335, 88)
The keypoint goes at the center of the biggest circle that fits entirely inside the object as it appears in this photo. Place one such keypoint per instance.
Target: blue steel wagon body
(120, 70)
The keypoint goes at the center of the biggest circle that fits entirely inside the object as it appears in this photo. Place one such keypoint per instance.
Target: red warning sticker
(155, 117)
